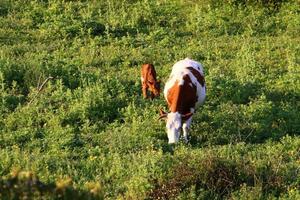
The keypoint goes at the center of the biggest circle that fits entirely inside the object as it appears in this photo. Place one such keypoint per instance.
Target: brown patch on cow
(149, 81)
(198, 75)
(181, 98)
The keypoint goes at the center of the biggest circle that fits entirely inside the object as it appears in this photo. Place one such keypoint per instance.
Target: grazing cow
(184, 91)
(148, 78)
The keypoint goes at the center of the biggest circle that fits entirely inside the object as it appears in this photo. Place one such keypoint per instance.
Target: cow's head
(154, 87)
(174, 124)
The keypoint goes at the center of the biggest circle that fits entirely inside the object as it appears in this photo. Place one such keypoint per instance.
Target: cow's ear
(162, 114)
(186, 116)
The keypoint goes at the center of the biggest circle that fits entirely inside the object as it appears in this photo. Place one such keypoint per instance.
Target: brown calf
(149, 81)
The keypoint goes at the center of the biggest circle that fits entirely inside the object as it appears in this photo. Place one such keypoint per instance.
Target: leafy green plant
(73, 121)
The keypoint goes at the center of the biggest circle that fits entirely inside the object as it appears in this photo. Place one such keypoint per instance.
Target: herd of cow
(184, 91)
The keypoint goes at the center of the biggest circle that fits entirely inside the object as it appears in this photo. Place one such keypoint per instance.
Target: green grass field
(89, 134)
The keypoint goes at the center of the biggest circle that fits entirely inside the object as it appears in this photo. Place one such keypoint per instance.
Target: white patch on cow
(142, 79)
(181, 82)
(173, 127)
(177, 67)
(185, 127)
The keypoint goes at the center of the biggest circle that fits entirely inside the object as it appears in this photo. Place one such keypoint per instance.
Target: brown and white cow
(149, 81)
(184, 91)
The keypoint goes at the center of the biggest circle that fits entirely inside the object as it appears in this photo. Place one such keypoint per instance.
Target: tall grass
(87, 133)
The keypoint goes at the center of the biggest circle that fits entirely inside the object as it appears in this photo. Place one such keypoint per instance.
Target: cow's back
(187, 75)
(181, 65)
(148, 72)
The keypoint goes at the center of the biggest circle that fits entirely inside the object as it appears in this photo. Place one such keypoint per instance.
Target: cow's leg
(144, 88)
(185, 127)
(152, 95)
